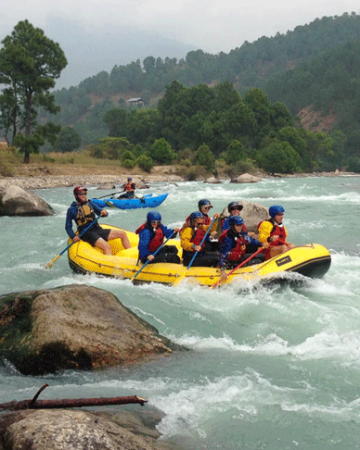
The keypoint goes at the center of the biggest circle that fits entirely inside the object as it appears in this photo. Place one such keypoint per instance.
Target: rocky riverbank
(159, 174)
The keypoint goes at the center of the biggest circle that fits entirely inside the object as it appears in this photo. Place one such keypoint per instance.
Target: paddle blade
(49, 264)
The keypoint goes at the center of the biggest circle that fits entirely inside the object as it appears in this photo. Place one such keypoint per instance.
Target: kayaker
(151, 237)
(191, 235)
(83, 212)
(233, 243)
(274, 232)
(129, 188)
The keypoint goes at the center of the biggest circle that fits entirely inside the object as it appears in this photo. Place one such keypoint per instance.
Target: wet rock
(213, 180)
(252, 213)
(60, 429)
(245, 178)
(15, 201)
(73, 327)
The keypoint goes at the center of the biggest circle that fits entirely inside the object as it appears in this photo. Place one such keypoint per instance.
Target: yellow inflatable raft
(311, 260)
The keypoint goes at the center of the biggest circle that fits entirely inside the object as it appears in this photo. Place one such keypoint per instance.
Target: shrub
(145, 163)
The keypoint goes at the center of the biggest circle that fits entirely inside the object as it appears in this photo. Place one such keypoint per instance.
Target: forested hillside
(227, 109)
(251, 65)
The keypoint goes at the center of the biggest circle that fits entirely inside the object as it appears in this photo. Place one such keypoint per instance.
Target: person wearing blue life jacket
(233, 244)
(234, 209)
(151, 236)
(83, 212)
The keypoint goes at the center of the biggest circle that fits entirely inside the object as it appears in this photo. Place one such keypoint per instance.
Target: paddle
(108, 195)
(238, 266)
(178, 281)
(147, 262)
(50, 263)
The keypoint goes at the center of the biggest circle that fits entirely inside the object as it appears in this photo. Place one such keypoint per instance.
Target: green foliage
(29, 65)
(204, 157)
(112, 148)
(161, 152)
(279, 157)
(68, 140)
(145, 163)
(235, 152)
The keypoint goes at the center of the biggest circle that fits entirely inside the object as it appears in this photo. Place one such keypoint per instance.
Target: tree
(279, 157)
(68, 140)
(29, 64)
(162, 152)
(205, 157)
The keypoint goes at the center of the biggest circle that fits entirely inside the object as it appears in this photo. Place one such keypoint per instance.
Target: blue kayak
(147, 201)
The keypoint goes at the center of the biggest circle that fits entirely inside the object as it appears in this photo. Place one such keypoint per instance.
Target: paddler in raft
(233, 244)
(151, 237)
(83, 212)
(191, 236)
(274, 232)
(204, 207)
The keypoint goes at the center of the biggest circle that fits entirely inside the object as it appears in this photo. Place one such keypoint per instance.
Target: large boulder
(73, 327)
(252, 213)
(213, 180)
(14, 201)
(245, 178)
(60, 429)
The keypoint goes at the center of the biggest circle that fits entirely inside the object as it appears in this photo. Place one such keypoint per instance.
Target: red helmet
(79, 189)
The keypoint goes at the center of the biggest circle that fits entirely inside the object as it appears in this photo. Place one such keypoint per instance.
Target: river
(275, 367)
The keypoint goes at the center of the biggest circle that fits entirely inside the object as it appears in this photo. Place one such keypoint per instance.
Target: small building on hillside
(139, 102)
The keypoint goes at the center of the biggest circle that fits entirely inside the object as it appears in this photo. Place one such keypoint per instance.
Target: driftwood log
(34, 403)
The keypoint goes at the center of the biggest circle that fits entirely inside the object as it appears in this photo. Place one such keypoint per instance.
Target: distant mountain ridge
(91, 51)
(270, 64)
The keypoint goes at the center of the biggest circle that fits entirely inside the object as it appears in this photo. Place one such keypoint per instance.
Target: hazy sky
(212, 25)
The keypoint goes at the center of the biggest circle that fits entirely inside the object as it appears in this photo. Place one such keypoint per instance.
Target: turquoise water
(269, 367)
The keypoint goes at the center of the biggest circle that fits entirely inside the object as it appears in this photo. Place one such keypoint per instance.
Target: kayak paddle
(147, 262)
(51, 263)
(178, 281)
(238, 266)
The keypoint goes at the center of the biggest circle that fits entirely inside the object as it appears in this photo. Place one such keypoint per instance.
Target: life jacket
(85, 214)
(157, 237)
(238, 245)
(129, 186)
(276, 230)
(198, 236)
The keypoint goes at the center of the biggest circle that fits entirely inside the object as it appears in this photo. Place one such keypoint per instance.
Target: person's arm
(225, 249)
(143, 246)
(264, 231)
(68, 224)
(169, 231)
(185, 239)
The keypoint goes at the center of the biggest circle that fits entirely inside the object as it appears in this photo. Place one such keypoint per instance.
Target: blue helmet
(275, 209)
(204, 202)
(234, 205)
(196, 215)
(153, 215)
(129, 178)
(235, 220)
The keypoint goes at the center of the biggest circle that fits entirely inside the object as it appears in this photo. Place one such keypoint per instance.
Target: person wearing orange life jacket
(151, 237)
(274, 232)
(191, 236)
(83, 212)
(233, 244)
(129, 189)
